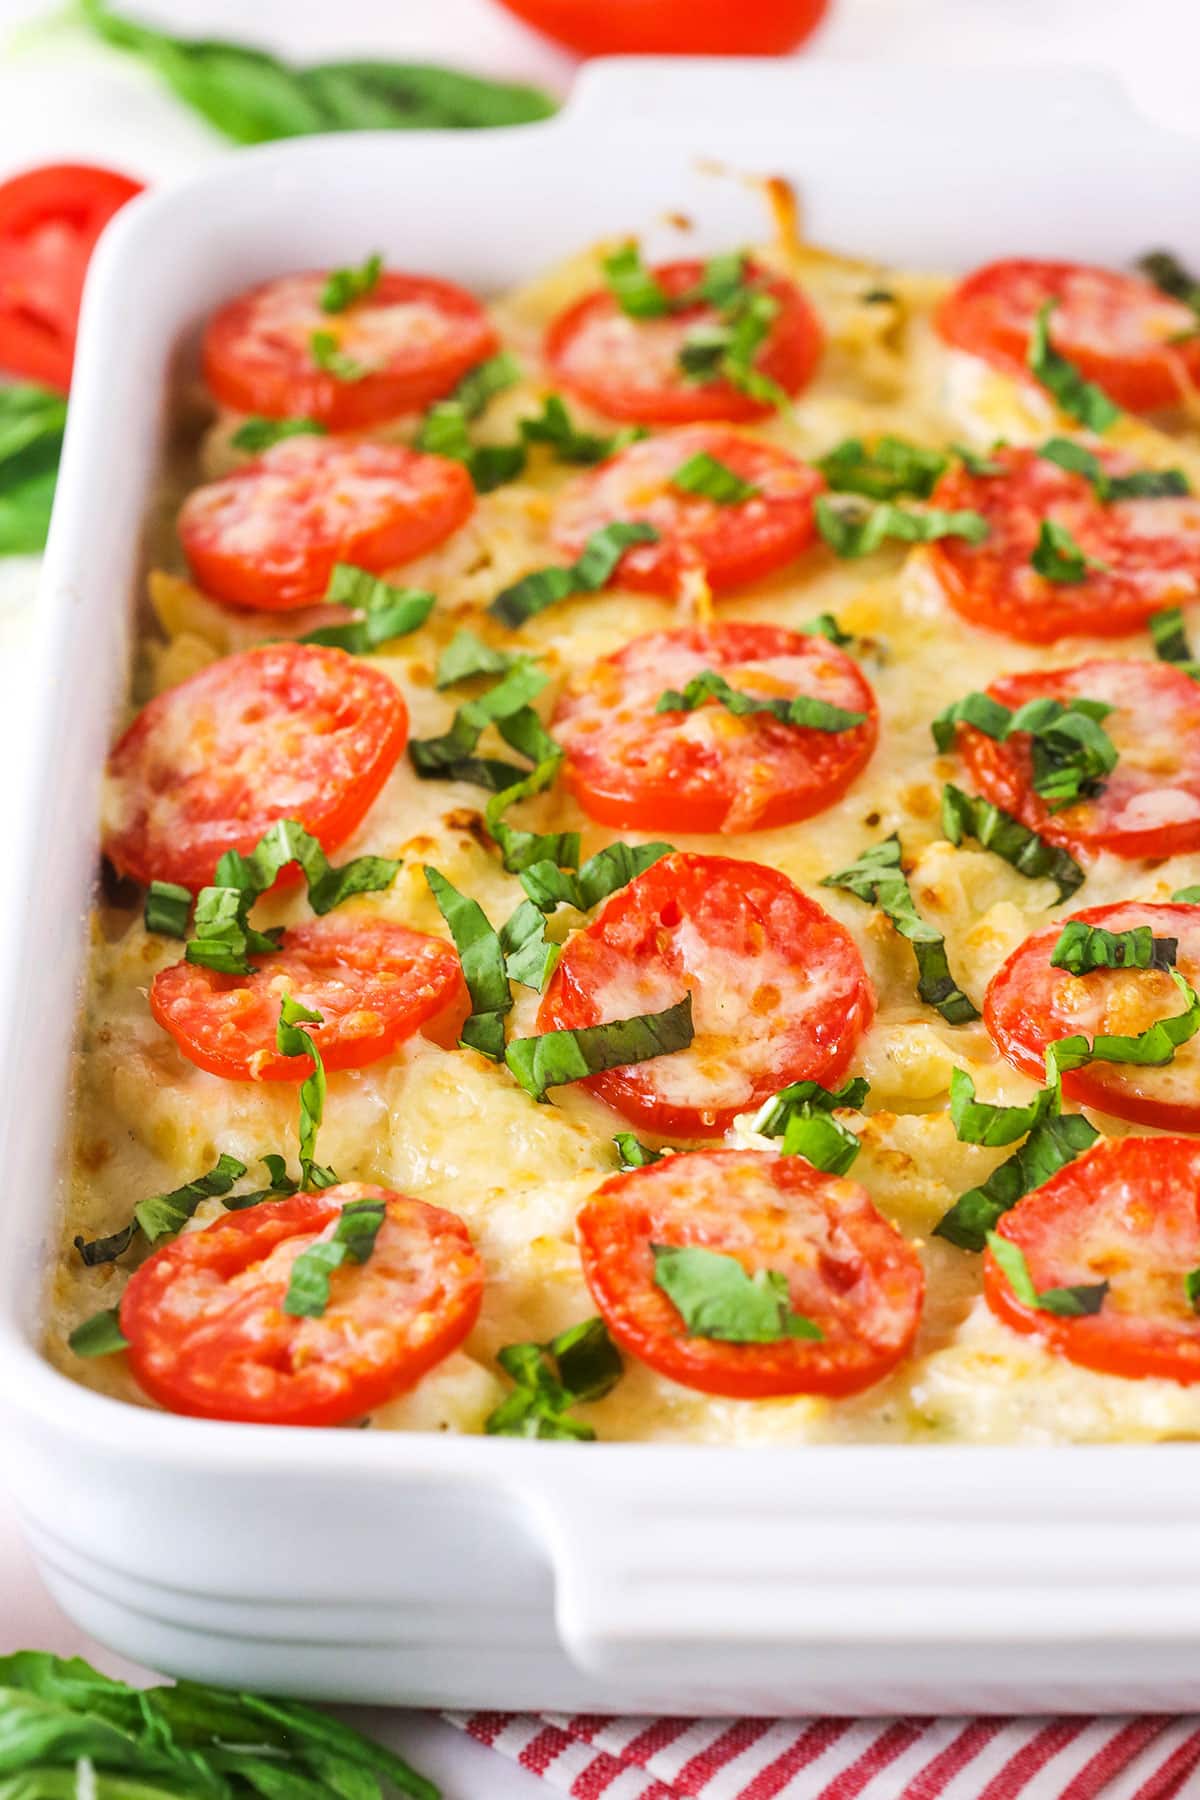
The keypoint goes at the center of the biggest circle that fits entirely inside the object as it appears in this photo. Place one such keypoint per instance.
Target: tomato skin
(303, 732)
(258, 358)
(730, 546)
(1151, 549)
(1029, 1004)
(848, 1270)
(208, 1336)
(1124, 1212)
(640, 770)
(745, 943)
(1162, 714)
(647, 389)
(268, 534)
(673, 27)
(50, 219)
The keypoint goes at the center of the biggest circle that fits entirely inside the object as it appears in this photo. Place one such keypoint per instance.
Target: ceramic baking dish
(477, 1572)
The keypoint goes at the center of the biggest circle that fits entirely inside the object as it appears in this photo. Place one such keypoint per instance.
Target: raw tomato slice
(373, 982)
(268, 534)
(1150, 803)
(1150, 549)
(779, 991)
(729, 545)
(1029, 1004)
(287, 731)
(1116, 329)
(208, 1334)
(412, 338)
(848, 1270)
(629, 368)
(1127, 1213)
(709, 770)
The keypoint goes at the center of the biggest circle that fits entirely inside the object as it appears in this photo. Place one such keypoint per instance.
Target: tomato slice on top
(286, 731)
(729, 544)
(208, 1334)
(847, 1269)
(1029, 1004)
(1116, 329)
(411, 338)
(373, 982)
(629, 368)
(1150, 549)
(1150, 803)
(779, 991)
(1127, 1213)
(268, 534)
(709, 770)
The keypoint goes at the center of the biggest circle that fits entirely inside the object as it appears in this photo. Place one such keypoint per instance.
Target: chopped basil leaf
(826, 626)
(804, 709)
(714, 480)
(633, 1153)
(345, 286)
(529, 956)
(595, 565)
(480, 385)
(968, 815)
(1057, 1139)
(633, 286)
(1082, 948)
(1079, 398)
(892, 467)
(718, 1300)
(1142, 484)
(466, 656)
(878, 878)
(387, 612)
(1065, 1303)
(163, 1214)
(721, 280)
(982, 1122)
(549, 886)
(444, 430)
(1057, 557)
(1191, 1287)
(553, 427)
(353, 1240)
(822, 1141)
(281, 844)
(580, 1364)
(801, 1116)
(329, 356)
(443, 758)
(878, 296)
(482, 958)
(1071, 751)
(225, 940)
(258, 434)
(1187, 896)
(725, 349)
(292, 1040)
(853, 530)
(1171, 645)
(975, 463)
(521, 849)
(168, 908)
(1169, 275)
(1148, 1049)
(281, 1185)
(557, 1057)
(101, 1335)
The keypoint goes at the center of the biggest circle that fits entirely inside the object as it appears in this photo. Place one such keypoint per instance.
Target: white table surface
(61, 98)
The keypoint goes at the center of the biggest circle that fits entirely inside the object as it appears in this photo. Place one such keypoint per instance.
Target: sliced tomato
(1029, 1004)
(673, 27)
(208, 1334)
(779, 991)
(710, 770)
(1127, 1213)
(373, 982)
(1150, 803)
(1116, 329)
(268, 534)
(411, 337)
(287, 731)
(629, 368)
(730, 545)
(1150, 550)
(848, 1270)
(50, 219)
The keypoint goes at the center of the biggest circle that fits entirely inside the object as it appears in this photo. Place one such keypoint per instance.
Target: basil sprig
(852, 529)
(32, 422)
(969, 815)
(1170, 638)
(329, 356)
(592, 569)
(633, 1153)
(1082, 948)
(554, 427)
(802, 709)
(344, 286)
(451, 755)
(890, 469)
(1071, 752)
(163, 1215)
(557, 1057)
(1078, 398)
(1057, 557)
(257, 434)
(483, 965)
(291, 1039)
(353, 1241)
(802, 1115)
(878, 878)
(1141, 484)
(714, 480)
(445, 428)
(1064, 1302)
(580, 1364)
(385, 612)
(549, 886)
(101, 1335)
(718, 1300)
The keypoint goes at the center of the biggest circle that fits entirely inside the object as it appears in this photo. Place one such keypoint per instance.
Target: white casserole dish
(493, 1573)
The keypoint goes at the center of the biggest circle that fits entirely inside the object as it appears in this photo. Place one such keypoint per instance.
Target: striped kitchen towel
(591, 1758)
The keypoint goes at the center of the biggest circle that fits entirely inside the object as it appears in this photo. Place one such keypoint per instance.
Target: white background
(61, 98)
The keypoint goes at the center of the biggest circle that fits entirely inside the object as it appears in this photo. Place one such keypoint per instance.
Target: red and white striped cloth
(591, 1758)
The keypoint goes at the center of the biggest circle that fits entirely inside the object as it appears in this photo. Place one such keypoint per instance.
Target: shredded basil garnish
(344, 286)
(482, 958)
(353, 1241)
(1169, 634)
(718, 1300)
(480, 385)
(466, 656)
(1191, 1288)
(521, 849)
(592, 569)
(634, 287)
(101, 1335)
(1065, 1302)
(714, 480)
(257, 435)
(1070, 750)
(168, 908)
(580, 1364)
(557, 1057)
(803, 709)
(633, 1153)
(554, 427)
(826, 626)
(450, 756)
(1079, 398)
(292, 1040)
(802, 1115)
(852, 529)
(529, 955)
(328, 355)
(386, 612)
(725, 349)
(1056, 1138)
(878, 878)
(1170, 276)
(968, 815)
(1082, 948)
(975, 462)
(162, 1215)
(1057, 557)
(1142, 484)
(1148, 1049)
(287, 842)
(549, 886)
(891, 468)
(1187, 896)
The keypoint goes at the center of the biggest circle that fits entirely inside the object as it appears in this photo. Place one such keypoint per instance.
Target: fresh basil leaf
(344, 286)
(32, 422)
(977, 709)
(1058, 558)
(466, 656)
(718, 1300)
(802, 1116)
(982, 1122)
(853, 530)
(529, 956)
(633, 1153)
(1170, 276)
(975, 463)
(1187, 896)
(1066, 1303)
(168, 908)
(633, 286)
(580, 1364)
(225, 940)
(1070, 750)
(387, 612)
(804, 710)
(444, 433)
(328, 355)
(968, 815)
(163, 1214)
(1191, 1287)
(1171, 645)
(1147, 1049)
(1056, 1140)
(480, 385)
(101, 1335)
(1141, 484)
(292, 1040)
(822, 1141)
(521, 849)
(878, 878)
(592, 569)
(1082, 948)
(725, 349)
(549, 886)
(891, 468)
(1080, 399)
(483, 965)
(553, 426)
(257, 435)
(353, 1240)
(286, 842)
(280, 1186)
(713, 480)
(371, 96)
(826, 626)
(451, 755)
(557, 1057)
